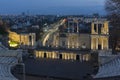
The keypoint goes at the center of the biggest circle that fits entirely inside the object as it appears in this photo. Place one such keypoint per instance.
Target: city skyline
(62, 7)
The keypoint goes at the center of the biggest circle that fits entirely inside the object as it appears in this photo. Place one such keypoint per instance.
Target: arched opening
(99, 43)
(60, 56)
(45, 55)
(99, 47)
(77, 57)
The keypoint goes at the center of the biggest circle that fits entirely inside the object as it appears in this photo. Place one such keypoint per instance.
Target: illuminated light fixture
(13, 44)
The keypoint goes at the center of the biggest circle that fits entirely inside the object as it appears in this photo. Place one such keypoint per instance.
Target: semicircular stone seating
(5, 68)
(110, 69)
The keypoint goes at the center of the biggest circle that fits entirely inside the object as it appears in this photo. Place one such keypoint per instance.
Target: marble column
(96, 43)
(102, 43)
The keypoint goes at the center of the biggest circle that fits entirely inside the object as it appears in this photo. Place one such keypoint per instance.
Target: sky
(52, 6)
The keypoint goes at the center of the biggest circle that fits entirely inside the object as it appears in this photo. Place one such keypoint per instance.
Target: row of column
(104, 29)
(28, 39)
(63, 56)
(70, 42)
(97, 42)
(73, 22)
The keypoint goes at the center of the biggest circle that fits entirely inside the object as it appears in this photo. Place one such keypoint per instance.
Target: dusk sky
(52, 6)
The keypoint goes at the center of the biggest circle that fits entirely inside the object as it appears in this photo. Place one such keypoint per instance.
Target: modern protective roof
(110, 69)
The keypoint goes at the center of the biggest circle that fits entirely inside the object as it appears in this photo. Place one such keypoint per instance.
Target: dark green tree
(113, 12)
(3, 29)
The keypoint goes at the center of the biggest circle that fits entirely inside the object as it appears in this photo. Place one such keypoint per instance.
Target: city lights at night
(60, 40)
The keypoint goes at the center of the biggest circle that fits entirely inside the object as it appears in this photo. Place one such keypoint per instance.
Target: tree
(113, 11)
(3, 28)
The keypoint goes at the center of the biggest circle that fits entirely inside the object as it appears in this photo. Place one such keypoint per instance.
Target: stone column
(102, 44)
(68, 26)
(97, 27)
(68, 42)
(96, 43)
(92, 28)
(73, 27)
(107, 43)
(77, 41)
(77, 27)
(91, 43)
